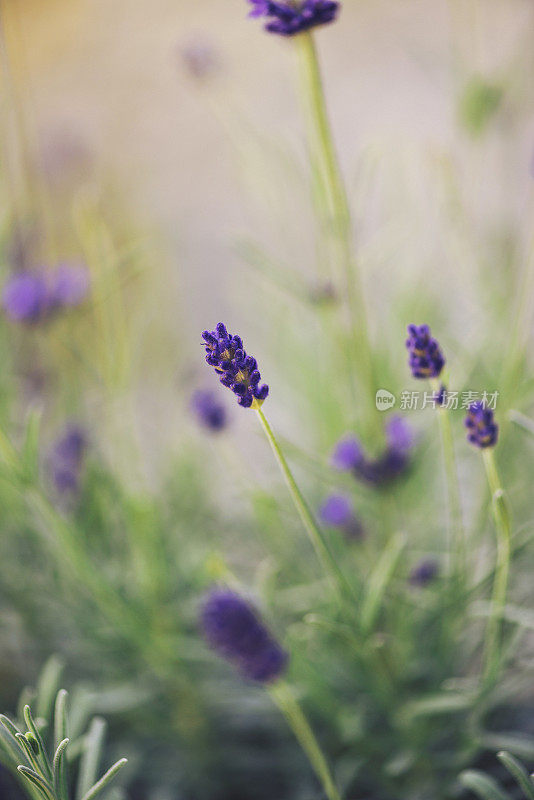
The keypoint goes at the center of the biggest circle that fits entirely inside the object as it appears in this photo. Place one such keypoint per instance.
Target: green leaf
(91, 757)
(105, 779)
(60, 717)
(379, 580)
(518, 771)
(36, 780)
(30, 448)
(482, 785)
(445, 703)
(47, 687)
(60, 771)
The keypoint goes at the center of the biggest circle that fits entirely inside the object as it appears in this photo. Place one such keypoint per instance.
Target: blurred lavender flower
(238, 371)
(426, 571)
(290, 18)
(200, 59)
(349, 455)
(209, 410)
(338, 512)
(66, 460)
(426, 359)
(26, 298)
(234, 631)
(482, 429)
(35, 296)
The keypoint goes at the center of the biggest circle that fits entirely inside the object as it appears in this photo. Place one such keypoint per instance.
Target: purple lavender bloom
(426, 359)
(234, 631)
(338, 512)
(426, 571)
(69, 285)
(348, 454)
(237, 371)
(35, 296)
(25, 297)
(209, 410)
(441, 397)
(66, 460)
(483, 431)
(290, 18)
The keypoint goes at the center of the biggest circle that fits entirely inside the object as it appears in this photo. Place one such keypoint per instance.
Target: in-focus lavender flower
(35, 296)
(482, 429)
(209, 410)
(426, 571)
(338, 512)
(294, 16)
(66, 460)
(349, 455)
(234, 631)
(238, 371)
(426, 359)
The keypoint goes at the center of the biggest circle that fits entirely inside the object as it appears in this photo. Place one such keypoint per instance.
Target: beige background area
(188, 156)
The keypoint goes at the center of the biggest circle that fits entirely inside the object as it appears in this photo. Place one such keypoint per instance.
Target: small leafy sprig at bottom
(45, 778)
(487, 788)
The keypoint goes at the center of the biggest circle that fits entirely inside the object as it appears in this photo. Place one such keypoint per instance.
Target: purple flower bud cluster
(482, 430)
(338, 512)
(209, 410)
(292, 17)
(238, 371)
(349, 455)
(426, 359)
(66, 460)
(426, 571)
(234, 631)
(35, 296)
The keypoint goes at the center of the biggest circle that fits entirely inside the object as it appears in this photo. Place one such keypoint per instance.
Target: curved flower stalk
(483, 433)
(43, 773)
(298, 19)
(235, 631)
(239, 373)
(426, 362)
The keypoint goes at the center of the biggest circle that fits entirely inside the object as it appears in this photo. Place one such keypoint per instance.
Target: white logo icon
(384, 400)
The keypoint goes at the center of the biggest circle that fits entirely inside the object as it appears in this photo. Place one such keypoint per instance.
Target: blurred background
(162, 146)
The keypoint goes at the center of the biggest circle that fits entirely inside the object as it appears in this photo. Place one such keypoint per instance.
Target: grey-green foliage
(487, 788)
(38, 750)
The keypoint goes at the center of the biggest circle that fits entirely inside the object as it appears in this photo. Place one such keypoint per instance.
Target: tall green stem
(286, 702)
(457, 533)
(340, 582)
(334, 208)
(493, 642)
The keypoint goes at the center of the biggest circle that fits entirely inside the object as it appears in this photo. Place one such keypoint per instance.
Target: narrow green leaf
(445, 703)
(47, 686)
(30, 449)
(482, 785)
(60, 717)
(28, 752)
(105, 779)
(43, 758)
(60, 771)
(379, 580)
(38, 782)
(91, 756)
(518, 771)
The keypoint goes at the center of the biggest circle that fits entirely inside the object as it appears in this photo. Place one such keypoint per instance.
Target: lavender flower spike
(288, 17)
(25, 297)
(238, 371)
(338, 512)
(426, 571)
(482, 429)
(426, 359)
(234, 631)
